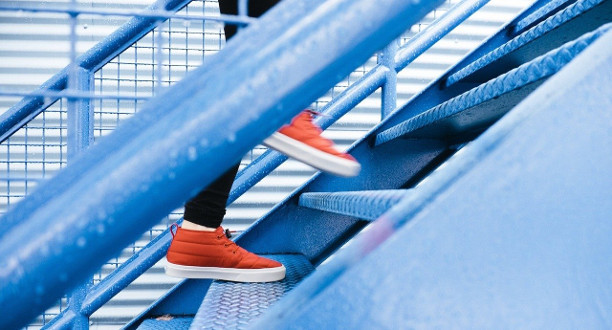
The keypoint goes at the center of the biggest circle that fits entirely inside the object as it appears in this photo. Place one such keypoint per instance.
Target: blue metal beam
(183, 139)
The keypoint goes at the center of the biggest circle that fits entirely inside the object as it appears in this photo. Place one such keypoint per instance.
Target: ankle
(193, 226)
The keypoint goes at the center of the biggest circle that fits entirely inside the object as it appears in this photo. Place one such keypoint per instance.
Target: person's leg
(208, 207)
(200, 249)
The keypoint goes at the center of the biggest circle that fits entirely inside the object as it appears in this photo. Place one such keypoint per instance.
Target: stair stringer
(519, 235)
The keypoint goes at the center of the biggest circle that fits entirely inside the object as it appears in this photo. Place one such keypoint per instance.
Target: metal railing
(77, 85)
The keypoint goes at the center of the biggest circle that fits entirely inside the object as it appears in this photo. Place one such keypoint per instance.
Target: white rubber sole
(312, 156)
(226, 274)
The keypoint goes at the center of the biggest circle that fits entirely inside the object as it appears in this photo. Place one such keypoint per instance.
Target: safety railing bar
(278, 158)
(270, 160)
(70, 94)
(439, 28)
(150, 254)
(183, 109)
(159, 14)
(96, 57)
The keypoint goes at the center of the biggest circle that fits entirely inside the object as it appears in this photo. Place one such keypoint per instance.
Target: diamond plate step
(231, 305)
(598, 13)
(165, 323)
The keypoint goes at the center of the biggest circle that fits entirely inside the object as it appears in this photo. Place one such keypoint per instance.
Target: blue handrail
(270, 160)
(184, 138)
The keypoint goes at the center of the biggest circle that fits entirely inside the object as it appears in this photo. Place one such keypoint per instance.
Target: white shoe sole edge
(226, 274)
(312, 156)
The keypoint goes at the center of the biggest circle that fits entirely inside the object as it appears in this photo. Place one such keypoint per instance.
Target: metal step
(232, 305)
(366, 205)
(479, 107)
(166, 322)
(569, 23)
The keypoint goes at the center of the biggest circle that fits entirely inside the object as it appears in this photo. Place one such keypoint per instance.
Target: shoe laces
(227, 242)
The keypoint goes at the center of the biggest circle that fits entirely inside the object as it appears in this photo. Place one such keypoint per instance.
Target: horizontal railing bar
(160, 14)
(73, 95)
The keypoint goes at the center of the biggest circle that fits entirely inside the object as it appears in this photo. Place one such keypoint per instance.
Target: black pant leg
(256, 8)
(209, 207)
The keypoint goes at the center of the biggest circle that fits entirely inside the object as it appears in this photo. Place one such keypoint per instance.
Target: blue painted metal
(389, 88)
(157, 13)
(170, 322)
(80, 115)
(451, 117)
(544, 11)
(335, 109)
(367, 205)
(514, 230)
(119, 194)
(246, 178)
(28, 108)
(551, 23)
(340, 105)
(235, 305)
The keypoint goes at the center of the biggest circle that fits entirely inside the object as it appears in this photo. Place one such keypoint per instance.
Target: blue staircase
(482, 203)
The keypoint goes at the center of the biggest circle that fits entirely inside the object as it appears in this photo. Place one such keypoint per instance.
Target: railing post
(389, 89)
(80, 136)
(80, 113)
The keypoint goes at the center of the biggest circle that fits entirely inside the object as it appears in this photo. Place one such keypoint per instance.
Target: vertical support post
(80, 136)
(80, 113)
(389, 89)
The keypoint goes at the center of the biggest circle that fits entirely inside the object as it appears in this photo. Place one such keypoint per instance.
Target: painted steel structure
(109, 286)
(130, 209)
(431, 122)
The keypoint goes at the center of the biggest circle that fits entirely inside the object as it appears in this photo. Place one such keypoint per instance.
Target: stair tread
(164, 323)
(451, 117)
(551, 23)
(366, 205)
(234, 305)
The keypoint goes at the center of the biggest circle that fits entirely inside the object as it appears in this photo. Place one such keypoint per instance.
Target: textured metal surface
(135, 176)
(366, 205)
(538, 14)
(537, 31)
(514, 231)
(230, 305)
(166, 323)
(527, 73)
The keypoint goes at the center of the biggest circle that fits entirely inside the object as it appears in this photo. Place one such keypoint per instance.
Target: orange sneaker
(302, 141)
(204, 254)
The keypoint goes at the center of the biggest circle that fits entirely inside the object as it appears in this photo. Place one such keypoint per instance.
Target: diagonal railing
(270, 160)
(120, 185)
(378, 77)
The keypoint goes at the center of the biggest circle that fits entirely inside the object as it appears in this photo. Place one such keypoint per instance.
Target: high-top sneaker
(210, 254)
(302, 141)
